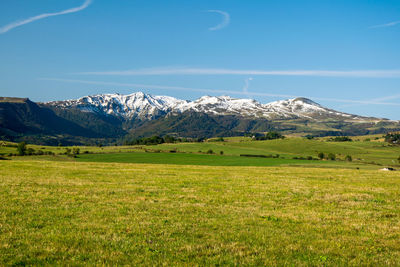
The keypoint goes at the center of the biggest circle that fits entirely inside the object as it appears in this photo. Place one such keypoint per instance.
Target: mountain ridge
(147, 107)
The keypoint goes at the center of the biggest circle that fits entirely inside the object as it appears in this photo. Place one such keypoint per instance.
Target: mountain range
(148, 107)
(111, 118)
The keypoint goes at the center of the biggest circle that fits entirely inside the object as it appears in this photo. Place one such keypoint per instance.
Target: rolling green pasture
(99, 213)
(361, 151)
(189, 159)
(372, 154)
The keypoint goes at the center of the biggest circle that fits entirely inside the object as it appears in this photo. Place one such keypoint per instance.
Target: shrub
(210, 151)
(21, 148)
(321, 155)
(340, 139)
(309, 158)
(30, 151)
(76, 151)
(222, 152)
(67, 151)
(393, 138)
(256, 156)
(331, 156)
(348, 158)
(169, 139)
(270, 136)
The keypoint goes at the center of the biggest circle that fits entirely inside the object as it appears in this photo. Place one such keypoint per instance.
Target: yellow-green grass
(377, 153)
(195, 159)
(75, 213)
(9, 147)
(363, 152)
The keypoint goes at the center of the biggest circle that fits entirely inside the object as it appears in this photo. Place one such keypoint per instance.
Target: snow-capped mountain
(146, 106)
(138, 104)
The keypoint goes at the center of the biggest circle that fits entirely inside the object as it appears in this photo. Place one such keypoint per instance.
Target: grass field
(373, 154)
(190, 159)
(81, 213)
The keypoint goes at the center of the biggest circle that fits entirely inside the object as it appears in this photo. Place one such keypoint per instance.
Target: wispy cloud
(19, 23)
(225, 22)
(212, 91)
(390, 24)
(210, 71)
(246, 85)
(385, 98)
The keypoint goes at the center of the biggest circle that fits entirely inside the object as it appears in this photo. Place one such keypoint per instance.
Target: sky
(343, 54)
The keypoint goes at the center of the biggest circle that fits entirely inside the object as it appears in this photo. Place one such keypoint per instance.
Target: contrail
(212, 71)
(246, 85)
(141, 86)
(224, 23)
(16, 24)
(390, 24)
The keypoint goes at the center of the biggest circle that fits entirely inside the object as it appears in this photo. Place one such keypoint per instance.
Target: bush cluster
(270, 136)
(156, 140)
(393, 138)
(340, 139)
(260, 156)
(23, 150)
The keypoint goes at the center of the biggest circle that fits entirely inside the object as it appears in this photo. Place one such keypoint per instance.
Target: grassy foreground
(77, 213)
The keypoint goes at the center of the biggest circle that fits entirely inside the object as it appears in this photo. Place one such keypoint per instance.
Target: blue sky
(343, 54)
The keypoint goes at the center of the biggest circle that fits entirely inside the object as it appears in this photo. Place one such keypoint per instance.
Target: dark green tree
(21, 148)
(169, 139)
(331, 156)
(76, 150)
(348, 158)
(321, 155)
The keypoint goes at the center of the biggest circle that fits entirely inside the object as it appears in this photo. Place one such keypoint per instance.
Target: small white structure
(387, 169)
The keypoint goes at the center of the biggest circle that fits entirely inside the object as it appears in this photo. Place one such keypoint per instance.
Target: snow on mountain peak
(146, 106)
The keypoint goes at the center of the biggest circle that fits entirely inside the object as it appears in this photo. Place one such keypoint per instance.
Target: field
(78, 213)
(180, 204)
(374, 154)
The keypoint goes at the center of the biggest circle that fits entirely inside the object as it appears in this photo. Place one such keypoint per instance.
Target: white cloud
(225, 22)
(19, 23)
(210, 71)
(390, 24)
(212, 91)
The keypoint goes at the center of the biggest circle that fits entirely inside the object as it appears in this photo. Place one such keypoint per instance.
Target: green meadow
(96, 213)
(188, 159)
(373, 154)
(188, 204)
